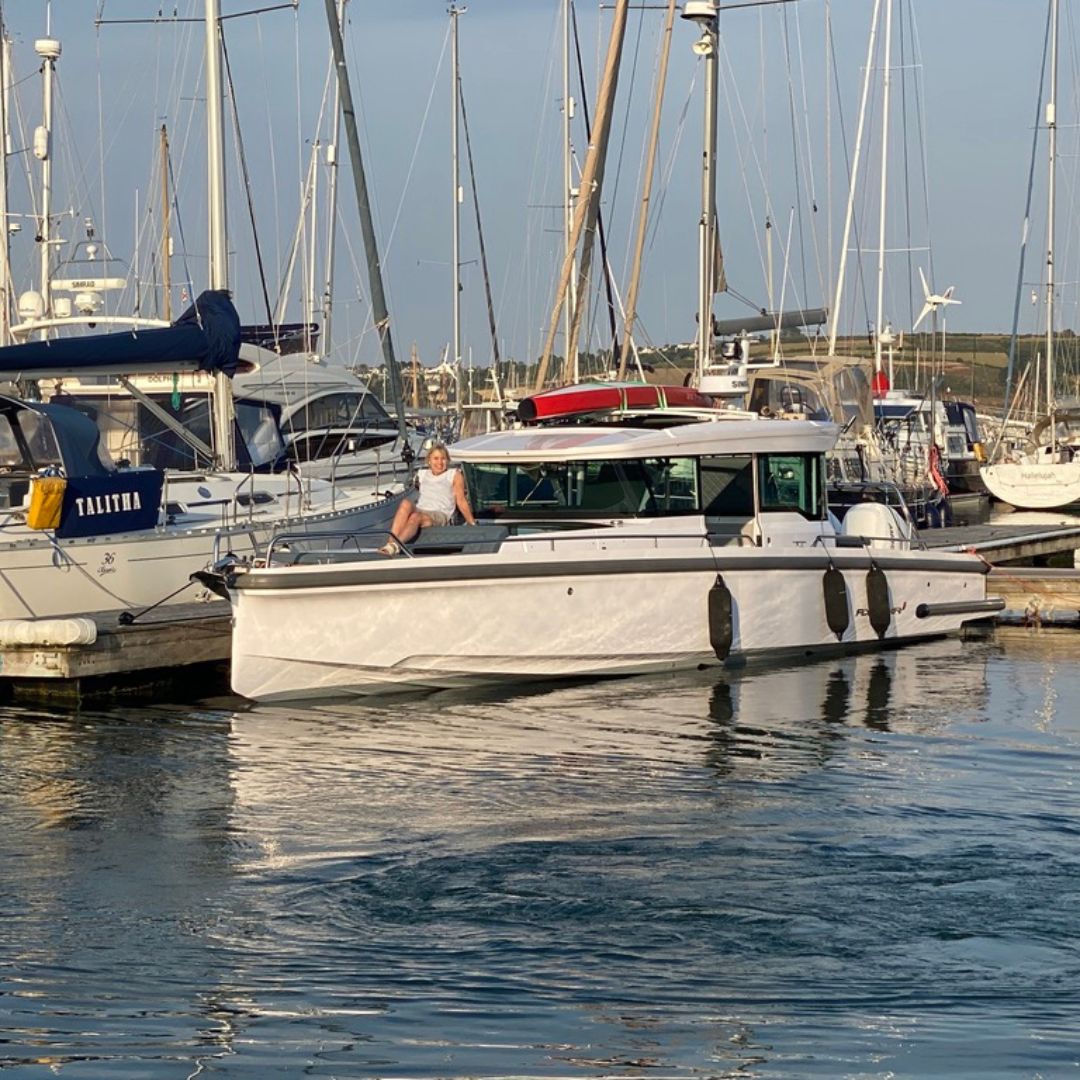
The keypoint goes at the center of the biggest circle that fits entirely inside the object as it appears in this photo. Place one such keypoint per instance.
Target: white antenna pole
(886, 78)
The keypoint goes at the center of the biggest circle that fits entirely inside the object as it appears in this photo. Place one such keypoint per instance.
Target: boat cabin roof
(706, 438)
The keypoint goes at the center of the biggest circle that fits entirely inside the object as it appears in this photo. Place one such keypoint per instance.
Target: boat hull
(1034, 486)
(434, 623)
(42, 576)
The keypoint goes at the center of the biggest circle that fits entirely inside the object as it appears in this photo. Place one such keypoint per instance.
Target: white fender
(47, 632)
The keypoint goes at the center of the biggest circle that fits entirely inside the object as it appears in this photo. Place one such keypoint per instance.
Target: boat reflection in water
(749, 723)
(694, 873)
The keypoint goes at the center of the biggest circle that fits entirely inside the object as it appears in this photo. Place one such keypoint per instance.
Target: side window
(40, 439)
(10, 454)
(488, 486)
(791, 482)
(372, 409)
(259, 429)
(727, 486)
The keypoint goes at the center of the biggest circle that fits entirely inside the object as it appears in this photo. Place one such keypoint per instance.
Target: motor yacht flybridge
(613, 539)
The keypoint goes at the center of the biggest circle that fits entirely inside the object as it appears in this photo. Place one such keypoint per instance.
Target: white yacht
(622, 537)
(293, 412)
(82, 532)
(117, 537)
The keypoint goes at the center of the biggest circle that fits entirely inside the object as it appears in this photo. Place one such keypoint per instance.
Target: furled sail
(206, 337)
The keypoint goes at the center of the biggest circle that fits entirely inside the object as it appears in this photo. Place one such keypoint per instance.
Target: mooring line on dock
(125, 618)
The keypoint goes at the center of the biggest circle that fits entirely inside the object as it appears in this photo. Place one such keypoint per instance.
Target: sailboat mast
(849, 213)
(568, 186)
(587, 208)
(215, 150)
(48, 48)
(313, 229)
(1051, 124)
(367, 226)
(224, 414)
(704, 13)
(646, 195)
(332, 158)
(455, 177)
(5, 264)
(166, 239)
(886, 82)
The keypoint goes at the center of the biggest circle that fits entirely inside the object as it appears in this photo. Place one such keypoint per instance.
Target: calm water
(860, 868)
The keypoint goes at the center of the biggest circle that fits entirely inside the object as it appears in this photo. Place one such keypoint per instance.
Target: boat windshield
(648, 486)
(722, 485)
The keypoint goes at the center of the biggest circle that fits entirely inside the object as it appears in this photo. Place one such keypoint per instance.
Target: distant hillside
(974, 365)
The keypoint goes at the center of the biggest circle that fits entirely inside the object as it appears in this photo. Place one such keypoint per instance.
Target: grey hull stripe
(426, 571)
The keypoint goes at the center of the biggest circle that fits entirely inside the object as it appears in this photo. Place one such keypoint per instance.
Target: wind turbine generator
(932, 302)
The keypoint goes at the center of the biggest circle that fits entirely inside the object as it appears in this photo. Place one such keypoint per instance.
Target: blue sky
(976, 63)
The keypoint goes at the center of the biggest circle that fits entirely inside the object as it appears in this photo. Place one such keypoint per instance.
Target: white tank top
(437, 492)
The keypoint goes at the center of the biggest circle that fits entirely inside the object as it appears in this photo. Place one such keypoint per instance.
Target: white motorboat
(677, 538)
(335, 428)
(324, 422)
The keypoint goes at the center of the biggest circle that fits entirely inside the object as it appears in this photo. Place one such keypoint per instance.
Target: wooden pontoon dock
(157, 652)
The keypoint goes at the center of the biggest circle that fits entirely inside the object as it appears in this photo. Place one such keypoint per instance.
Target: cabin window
(259, 433)
(647, 486)
(318, 445)
(11, 455)
(40, 440)
(337, 411)
(727, 486)
(785, 395)
(791, 483)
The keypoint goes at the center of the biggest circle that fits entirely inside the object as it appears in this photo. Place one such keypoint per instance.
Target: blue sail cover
(205, 338)
(127, 500)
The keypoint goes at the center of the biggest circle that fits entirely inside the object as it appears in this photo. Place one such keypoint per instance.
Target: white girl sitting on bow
(442, 490)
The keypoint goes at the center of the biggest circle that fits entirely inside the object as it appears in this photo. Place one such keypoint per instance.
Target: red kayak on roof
(583, 398)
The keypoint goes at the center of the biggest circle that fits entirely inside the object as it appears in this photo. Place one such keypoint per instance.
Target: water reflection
(760, 872)
(117, 854)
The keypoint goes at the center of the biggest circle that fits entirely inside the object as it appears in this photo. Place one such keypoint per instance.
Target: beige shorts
(437, 516)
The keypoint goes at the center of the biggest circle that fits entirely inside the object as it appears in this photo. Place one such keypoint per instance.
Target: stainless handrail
(236, 498)
(219, 534)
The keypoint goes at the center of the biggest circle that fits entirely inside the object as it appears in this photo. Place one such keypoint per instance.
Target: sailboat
(1046, 476)
(918, 444)
(84, 533)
